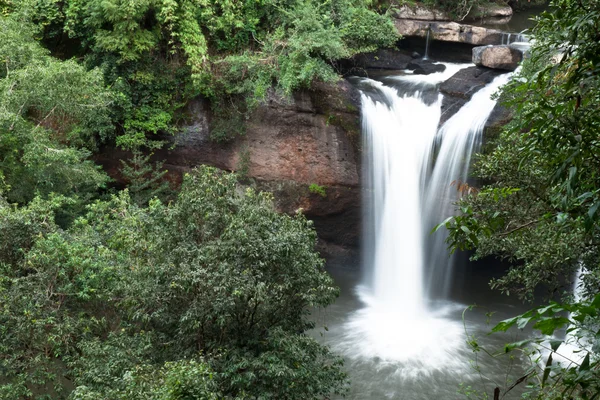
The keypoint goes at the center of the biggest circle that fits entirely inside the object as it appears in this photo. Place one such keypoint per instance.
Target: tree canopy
(156, 54)
(207, 296)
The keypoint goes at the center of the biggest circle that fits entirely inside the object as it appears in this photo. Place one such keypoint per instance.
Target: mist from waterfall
(409, 165)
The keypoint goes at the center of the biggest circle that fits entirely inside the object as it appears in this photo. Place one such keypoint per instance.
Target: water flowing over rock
(409, 166)
(503, 57)
(461, 87)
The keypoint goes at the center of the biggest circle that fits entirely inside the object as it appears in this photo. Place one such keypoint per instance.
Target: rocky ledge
(419, 12)
(449, 32)
(459, 89)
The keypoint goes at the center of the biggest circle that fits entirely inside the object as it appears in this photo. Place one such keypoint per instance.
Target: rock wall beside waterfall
(312, 138)
(289, 144)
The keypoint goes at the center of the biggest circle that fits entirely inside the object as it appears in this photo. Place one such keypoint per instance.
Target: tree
(157, 54)
(52, 113)
(215, 286)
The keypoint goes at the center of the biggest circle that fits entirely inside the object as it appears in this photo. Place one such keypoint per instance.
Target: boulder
(468, 81)
(425, 67)
(498, 57)
(449, 32)
(459, 89)
(490, 10)
(420, 13)
(383, 59)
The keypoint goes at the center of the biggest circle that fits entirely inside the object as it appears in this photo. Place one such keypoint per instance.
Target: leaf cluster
(205, 297)
(156, 54)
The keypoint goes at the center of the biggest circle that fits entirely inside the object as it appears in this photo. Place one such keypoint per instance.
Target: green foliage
(144, 180)
(123, 304)
(51, 113)
(317, 189)
(243, 168)
(158, 53)
(562, 350)
(540, 208)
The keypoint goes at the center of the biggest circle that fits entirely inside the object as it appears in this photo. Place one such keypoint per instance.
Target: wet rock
(425, 67)
(383, 59)
(467, 81)
(459, 89)
(497, 57)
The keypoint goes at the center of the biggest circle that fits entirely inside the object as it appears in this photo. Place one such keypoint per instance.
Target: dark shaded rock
(446, 51)
(459, 89)
(498, 57)
(415, 55)
(425, 67)
(468, 81)
(382, 59)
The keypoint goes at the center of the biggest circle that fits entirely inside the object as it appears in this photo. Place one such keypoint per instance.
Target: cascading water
(460, 137)
(406, 194)
(427, 40)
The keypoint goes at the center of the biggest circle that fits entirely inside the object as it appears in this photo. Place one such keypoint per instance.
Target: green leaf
(548, 325)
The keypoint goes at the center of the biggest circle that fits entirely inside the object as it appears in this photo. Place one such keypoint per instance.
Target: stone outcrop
(497, 57)
(490, 11)
(459, 89)
(449, 32)
(425, 67)
(419, 12)
(289, 145)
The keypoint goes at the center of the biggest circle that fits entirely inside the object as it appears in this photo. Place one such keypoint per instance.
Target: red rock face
(288, 145)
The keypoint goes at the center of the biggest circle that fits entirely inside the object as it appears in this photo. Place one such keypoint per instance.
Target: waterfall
(460, 137)
(405, 194)
(426, 56)
(395, 161)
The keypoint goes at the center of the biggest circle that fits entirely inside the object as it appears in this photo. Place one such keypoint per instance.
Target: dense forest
(205, 291)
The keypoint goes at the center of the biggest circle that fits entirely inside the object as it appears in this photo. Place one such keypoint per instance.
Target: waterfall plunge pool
(433, 363)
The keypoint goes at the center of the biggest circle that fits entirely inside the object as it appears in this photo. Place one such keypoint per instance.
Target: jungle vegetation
(540, 208)
(147, 293)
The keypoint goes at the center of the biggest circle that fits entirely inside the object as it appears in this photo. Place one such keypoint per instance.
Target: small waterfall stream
(409, 166)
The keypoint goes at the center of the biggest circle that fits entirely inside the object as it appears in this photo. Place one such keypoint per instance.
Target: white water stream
(409, 167)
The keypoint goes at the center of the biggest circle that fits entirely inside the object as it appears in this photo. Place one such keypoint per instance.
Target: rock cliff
(289, 144)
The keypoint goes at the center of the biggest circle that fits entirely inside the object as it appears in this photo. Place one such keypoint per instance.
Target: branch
(519, 227)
